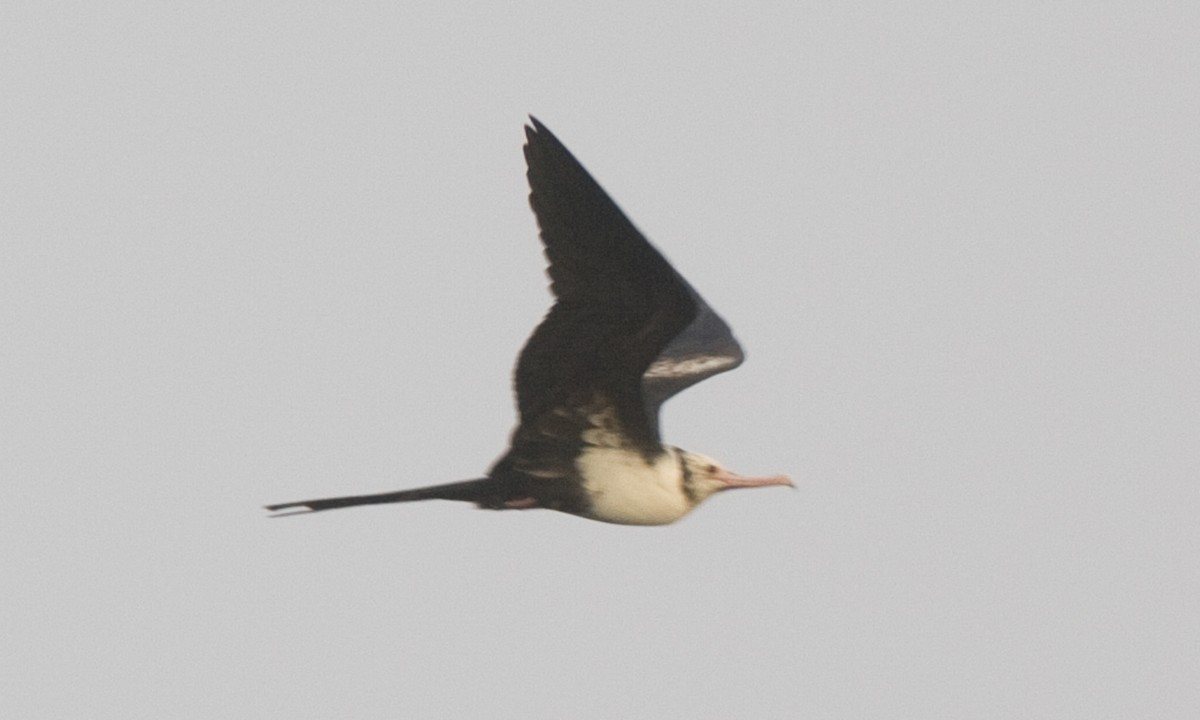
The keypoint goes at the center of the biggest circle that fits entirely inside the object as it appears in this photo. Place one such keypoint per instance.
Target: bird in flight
(625, 333)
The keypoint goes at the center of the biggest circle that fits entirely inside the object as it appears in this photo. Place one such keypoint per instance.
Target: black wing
(704, 348)
(627, 331)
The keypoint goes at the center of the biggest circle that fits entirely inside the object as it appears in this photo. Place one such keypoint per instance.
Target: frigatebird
(626, 333)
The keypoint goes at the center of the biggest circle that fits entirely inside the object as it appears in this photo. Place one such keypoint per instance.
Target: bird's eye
(711, 468)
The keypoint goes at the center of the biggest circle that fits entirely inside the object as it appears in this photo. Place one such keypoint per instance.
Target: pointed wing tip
(543, 148)
(532, 129)
(538, 134)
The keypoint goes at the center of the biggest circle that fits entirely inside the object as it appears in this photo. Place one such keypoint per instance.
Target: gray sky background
(258, 255)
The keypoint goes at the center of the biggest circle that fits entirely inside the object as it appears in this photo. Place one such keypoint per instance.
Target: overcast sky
(254, 253)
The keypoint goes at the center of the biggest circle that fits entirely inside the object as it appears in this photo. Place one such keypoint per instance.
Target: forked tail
(468, 490)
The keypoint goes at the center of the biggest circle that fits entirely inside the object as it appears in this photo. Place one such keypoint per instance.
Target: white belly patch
(625, 489)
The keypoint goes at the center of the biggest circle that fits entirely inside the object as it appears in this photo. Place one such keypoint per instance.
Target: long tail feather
(468, 490)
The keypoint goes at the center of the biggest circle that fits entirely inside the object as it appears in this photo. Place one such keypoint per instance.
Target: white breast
(626, 489)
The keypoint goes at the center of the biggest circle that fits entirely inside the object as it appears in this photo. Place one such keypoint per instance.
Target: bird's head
(704, 476)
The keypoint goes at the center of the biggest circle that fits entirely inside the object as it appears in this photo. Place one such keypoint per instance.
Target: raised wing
(627, 331)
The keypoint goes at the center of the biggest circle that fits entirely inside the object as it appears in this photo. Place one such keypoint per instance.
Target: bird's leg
(524, 503)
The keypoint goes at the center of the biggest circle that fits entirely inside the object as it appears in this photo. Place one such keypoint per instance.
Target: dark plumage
(626, 333)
